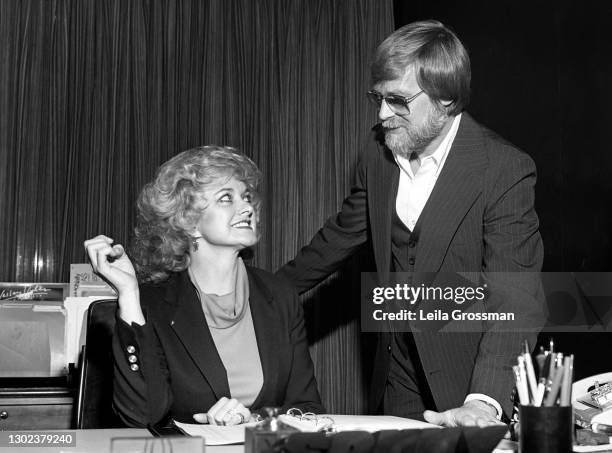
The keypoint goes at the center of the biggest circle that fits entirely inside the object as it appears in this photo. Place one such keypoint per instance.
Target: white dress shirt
(414, 191)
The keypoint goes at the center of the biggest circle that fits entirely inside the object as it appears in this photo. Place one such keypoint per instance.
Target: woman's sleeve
(302, 391)
(141, 393)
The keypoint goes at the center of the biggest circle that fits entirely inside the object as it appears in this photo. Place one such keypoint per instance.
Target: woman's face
(229, 219)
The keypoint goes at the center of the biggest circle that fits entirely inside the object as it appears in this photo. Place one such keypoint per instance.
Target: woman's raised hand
(226, 411)
(112, 263)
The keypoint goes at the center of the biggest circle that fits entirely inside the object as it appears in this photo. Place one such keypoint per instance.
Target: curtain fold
(95, 95)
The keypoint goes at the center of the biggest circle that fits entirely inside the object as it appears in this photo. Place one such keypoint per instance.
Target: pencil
(533, 386)
(551, 398)
(568, 374)
(521, 388)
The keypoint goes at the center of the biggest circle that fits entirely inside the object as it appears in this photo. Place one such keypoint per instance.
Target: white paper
(373, 423)
(226, 435)
(589, 448)
(215, 434)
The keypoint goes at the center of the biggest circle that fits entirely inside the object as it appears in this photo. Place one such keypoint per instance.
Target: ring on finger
(233, 413)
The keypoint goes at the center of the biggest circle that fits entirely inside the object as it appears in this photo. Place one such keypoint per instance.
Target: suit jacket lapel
(189, 324)
(382, 182)
(458, 187)
(266, 324)
(187, 320)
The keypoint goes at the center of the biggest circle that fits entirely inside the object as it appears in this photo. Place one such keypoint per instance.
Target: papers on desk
(373, 423)
(590, 448)
(226, 435)
(214, 434)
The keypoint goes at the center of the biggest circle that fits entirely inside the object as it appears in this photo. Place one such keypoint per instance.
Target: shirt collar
(439, 155)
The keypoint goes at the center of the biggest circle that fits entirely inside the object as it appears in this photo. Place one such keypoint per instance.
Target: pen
(545, 371)
(533, 386)
(523, 378)
(541, 361)
(555, 364)
(552, 346)
(520, 386)
(539, 396)
(566, 390)
(551, 398)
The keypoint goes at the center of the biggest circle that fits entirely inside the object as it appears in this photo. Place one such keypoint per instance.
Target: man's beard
(414, 138)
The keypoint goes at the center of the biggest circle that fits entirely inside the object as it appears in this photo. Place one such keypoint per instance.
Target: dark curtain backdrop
(94, 95)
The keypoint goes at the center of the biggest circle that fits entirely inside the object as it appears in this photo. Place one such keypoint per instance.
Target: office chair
(94, 401)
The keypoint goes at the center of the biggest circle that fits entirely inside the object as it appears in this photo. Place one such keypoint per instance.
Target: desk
(98, 441)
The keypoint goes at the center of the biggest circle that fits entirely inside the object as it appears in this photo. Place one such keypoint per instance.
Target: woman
(203, 337)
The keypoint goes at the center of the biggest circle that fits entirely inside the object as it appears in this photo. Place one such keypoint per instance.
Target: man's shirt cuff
(486, 399)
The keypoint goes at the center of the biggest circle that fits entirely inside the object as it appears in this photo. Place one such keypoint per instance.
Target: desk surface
(99, 441)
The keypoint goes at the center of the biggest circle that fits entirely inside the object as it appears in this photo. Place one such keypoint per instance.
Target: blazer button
(132, 359)
(411, 260)
(389, 348)
(134, 367)
(412, 244)
(130, 349)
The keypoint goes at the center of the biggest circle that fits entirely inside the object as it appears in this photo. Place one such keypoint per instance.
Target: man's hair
(170, 206)
(440, 62)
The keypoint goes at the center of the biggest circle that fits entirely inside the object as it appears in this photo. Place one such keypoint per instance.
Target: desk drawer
(35, 409)
(35, 416)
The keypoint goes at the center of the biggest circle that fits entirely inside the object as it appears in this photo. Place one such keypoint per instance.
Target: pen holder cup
(545, 429)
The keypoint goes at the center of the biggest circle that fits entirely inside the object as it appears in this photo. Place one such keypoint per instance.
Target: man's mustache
(392, 123)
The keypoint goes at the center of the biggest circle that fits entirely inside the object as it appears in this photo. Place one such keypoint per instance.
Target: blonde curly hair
(171, 205)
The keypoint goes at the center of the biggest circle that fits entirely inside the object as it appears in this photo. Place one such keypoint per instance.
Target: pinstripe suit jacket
(480, 217)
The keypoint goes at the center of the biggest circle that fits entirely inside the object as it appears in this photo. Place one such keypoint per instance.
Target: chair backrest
(94, 403)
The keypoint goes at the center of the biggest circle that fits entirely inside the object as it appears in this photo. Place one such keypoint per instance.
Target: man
(443, 194)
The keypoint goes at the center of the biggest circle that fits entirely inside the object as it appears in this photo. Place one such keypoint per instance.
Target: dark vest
(403, 245)
(406, 366)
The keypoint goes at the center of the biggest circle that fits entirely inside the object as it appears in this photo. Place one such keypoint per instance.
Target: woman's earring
(194, 243)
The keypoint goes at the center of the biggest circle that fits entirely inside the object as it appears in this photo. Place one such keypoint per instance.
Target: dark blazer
(179, 370)
(479, 217)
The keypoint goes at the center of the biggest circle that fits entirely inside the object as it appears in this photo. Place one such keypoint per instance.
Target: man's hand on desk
(472, 413)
